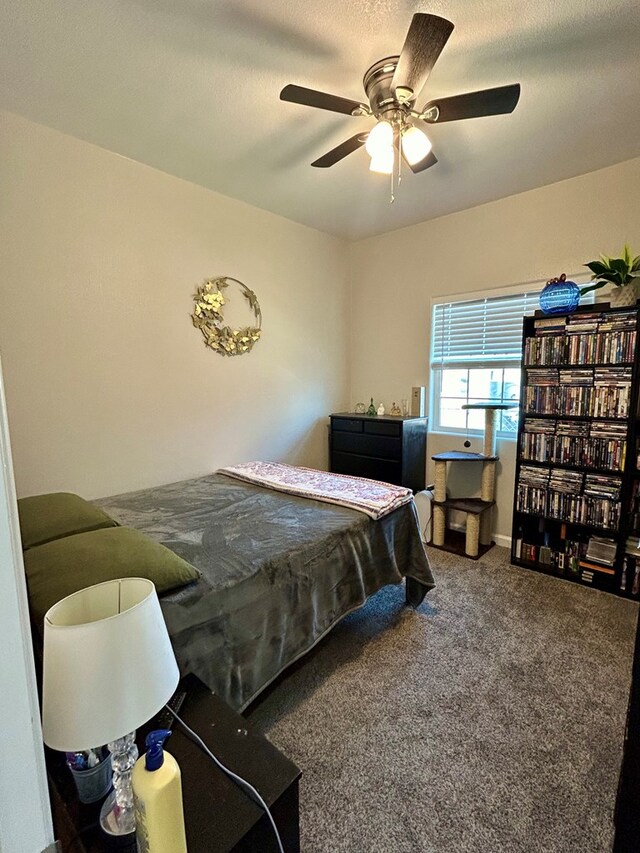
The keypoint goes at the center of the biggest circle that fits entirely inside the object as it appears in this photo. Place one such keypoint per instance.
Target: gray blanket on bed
(277, 572)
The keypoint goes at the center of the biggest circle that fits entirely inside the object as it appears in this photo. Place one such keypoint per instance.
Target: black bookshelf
(577, 483)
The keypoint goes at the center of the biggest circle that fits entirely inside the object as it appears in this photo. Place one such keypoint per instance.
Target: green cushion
(58, 568)
(44, 518)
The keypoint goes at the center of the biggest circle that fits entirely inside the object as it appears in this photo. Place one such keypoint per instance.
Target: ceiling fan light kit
(415, 145)
(380, 138)
(383, 161)
(392, 86)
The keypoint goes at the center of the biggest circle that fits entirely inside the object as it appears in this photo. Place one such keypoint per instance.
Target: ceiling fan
(392, 86)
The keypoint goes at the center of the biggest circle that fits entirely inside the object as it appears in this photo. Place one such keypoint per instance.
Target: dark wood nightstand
(219, 817)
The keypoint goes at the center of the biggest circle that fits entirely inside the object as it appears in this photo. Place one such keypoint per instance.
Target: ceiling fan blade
(320, 100)
(341, 151)
(427, 35)
(488, 102)
(429, 160)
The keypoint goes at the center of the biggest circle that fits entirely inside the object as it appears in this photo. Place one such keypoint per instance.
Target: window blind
(483, 332)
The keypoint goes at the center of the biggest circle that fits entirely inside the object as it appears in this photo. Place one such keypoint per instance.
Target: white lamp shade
(382, 161)
(380, 138)
(108, 664)
(415, 145)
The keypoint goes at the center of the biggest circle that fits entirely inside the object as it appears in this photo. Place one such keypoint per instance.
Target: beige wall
(527, 237)
(109, 386)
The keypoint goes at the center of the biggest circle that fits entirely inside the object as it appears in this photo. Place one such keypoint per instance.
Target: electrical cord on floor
(242, 783)
(427, 524)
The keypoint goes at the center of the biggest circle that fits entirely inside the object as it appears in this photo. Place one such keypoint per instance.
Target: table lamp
(108, 668)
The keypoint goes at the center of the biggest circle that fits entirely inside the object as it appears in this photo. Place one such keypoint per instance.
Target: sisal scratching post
(485, 527)
(440, 489)
(489, 448)
(473, 535)
(487, 487)
(439, 495)
(439, 524)
(488, 483)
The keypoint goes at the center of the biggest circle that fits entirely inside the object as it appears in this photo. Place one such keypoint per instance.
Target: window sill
(462, 433)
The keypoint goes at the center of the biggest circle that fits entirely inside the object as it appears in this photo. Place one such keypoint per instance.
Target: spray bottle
(157, 792)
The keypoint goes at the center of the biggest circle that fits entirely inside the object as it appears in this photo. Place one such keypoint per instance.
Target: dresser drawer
(346, 425)
(380, 446)
(361, 466)
(383, 428)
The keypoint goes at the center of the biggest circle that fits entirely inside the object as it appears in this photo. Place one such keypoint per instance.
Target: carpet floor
(489, 720)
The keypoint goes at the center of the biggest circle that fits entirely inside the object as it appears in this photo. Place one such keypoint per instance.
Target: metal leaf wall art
(208, 316)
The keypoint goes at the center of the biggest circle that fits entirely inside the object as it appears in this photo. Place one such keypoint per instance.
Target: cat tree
(477, 538)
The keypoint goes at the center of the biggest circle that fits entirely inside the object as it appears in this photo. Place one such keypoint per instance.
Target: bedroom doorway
(25, 814)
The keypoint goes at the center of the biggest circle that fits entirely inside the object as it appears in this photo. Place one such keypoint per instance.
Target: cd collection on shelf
(577, 492)
(571, 496)
(595, 444)
(603, 337)
(601, 392)
(567, 560)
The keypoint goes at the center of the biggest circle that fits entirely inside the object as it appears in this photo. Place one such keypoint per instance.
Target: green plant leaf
(597, 267)
(591, 287)
(620, 265)
(618, 271)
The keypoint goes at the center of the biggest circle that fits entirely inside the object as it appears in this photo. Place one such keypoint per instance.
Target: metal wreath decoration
(207, 316)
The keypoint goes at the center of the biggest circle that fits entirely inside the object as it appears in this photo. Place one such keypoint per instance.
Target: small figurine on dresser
(395, 410)
(381, 409)
(371, 411)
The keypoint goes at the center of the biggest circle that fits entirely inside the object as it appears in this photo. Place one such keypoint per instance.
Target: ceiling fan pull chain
(392, 197)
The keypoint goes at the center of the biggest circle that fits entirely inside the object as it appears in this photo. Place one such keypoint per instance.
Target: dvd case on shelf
(599, 444)
(598, 338)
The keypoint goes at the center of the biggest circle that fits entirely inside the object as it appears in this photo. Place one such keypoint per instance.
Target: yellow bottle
(157, 793)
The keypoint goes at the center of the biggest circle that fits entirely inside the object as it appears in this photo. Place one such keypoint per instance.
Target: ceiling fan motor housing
(377, 84)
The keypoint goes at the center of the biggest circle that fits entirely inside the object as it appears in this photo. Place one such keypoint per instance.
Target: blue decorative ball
(560, 296)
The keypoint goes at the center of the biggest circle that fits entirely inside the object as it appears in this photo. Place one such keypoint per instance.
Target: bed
(277, 573)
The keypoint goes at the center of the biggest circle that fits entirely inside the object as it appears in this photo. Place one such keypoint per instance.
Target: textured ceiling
(191, 87)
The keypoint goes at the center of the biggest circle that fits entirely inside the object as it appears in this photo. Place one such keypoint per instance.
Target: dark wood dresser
(384, 448)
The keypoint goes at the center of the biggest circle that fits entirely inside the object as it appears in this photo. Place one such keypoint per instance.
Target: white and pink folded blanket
(369, 496)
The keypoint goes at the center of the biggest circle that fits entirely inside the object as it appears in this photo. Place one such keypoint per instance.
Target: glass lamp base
(114, 820)
(117, 816)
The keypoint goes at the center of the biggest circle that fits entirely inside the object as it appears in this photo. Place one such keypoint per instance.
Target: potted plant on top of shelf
(621, 272)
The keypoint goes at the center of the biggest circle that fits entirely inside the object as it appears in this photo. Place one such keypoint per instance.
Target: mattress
(277, 572)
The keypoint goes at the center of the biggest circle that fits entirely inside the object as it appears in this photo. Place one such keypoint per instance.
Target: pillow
(44, 518)
(58, 568)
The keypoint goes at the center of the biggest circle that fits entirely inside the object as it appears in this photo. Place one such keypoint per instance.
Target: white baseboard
(504, 541)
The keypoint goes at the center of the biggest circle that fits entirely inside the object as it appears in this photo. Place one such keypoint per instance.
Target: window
(476, 353)
(455, 387)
